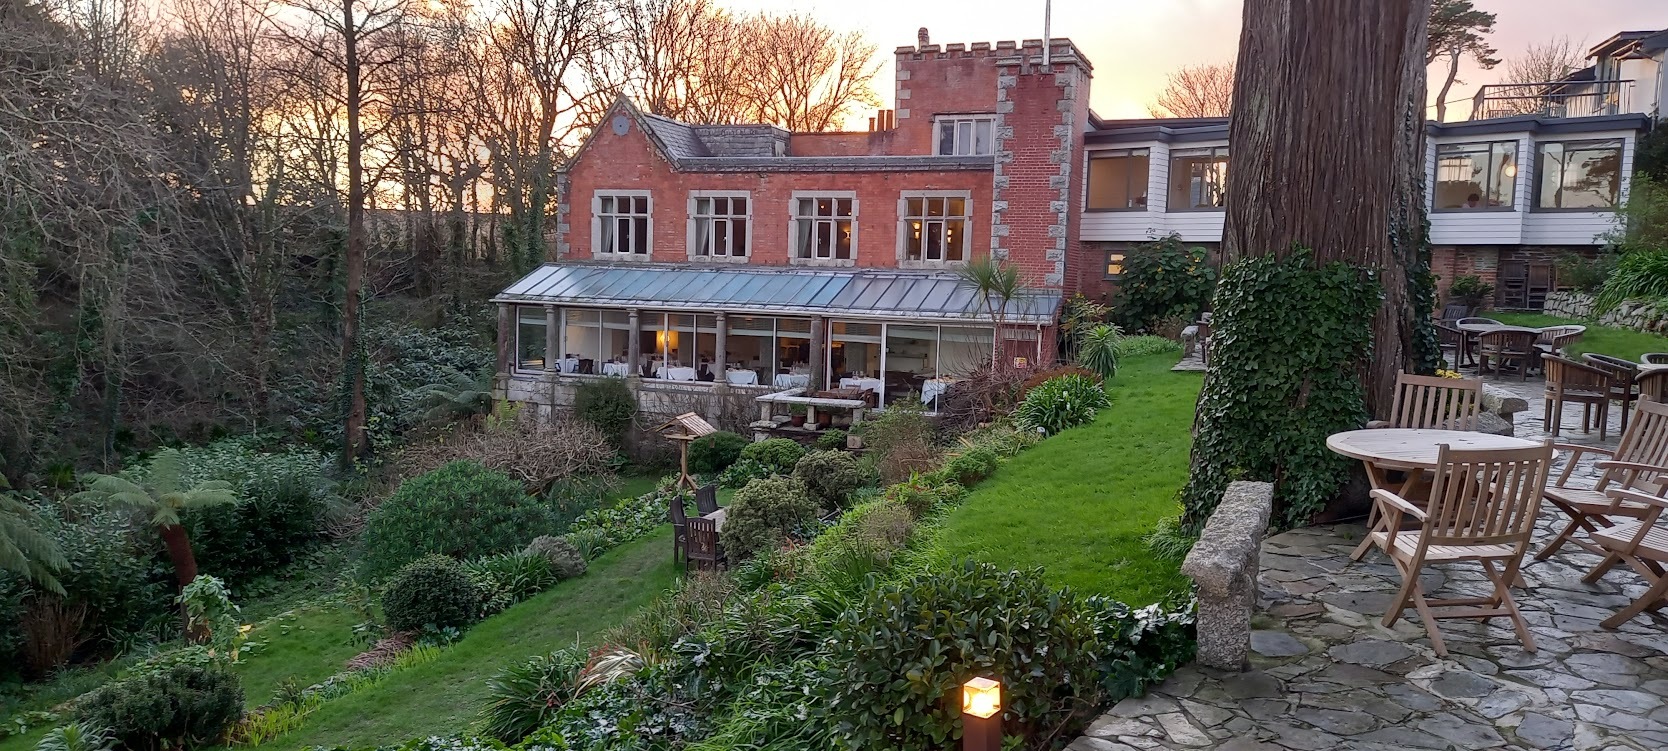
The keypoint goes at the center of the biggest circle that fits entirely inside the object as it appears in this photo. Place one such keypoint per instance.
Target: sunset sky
(1133, 44)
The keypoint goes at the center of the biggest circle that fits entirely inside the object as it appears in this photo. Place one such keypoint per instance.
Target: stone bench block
(1502, 403)
(1223, 566)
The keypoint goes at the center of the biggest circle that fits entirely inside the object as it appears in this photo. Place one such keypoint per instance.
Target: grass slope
(307, 646)
(1604, 340)
(1079, 503)
(442, 697)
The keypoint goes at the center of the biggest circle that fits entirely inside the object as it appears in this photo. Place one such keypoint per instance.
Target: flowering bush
(1061, 403)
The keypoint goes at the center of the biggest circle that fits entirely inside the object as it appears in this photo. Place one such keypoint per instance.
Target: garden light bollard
(981, 715)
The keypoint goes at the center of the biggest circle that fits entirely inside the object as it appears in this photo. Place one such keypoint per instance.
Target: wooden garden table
(1410, 451)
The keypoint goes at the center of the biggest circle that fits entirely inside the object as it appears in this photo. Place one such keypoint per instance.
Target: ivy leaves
(1289, 341)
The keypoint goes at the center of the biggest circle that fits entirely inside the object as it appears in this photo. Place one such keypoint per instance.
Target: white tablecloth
(570, 365)
(934, 388)
(741, 377)
(789, 381)
(676, 373)
(872, 384)
(620, 369)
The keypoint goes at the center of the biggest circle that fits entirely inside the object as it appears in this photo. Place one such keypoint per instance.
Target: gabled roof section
(758, 148)
(850, 293)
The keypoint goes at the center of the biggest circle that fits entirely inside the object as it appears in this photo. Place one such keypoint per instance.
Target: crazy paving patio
(1326, 675)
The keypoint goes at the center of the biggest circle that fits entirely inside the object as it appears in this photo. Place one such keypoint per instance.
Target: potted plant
(1471, 291)
(854, 437)
(825, 420)
(796, 415)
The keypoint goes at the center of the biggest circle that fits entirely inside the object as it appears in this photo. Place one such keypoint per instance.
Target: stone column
(634, 349)
(719, 360)
(819, 342)
(552, 341)
(506, 332)
(1223, 565)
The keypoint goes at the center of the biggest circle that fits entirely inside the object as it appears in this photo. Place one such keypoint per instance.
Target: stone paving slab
(1327, 676)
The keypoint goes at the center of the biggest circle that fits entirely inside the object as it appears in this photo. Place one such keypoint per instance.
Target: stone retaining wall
(1639, 316)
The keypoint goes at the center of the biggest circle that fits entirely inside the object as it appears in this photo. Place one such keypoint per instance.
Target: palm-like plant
(996, 283)
(24, 549)
(1097, 350)
(456, 395)
(163, 495)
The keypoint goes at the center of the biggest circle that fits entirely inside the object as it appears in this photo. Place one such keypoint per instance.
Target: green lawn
(1604, 340)
(442, 697)
(1079, 503)
(306, 645)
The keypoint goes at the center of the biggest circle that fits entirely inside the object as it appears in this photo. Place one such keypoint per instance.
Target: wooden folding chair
(1642, 545)
(1431, 402)
(1639, 458)
(680, 528)
(1483, 506)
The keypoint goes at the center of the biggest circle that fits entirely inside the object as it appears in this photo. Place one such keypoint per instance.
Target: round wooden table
(1484, 328)
(1409, 451)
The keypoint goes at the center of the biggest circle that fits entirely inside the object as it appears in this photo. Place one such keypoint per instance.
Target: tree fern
(24, 549)
(162, 493)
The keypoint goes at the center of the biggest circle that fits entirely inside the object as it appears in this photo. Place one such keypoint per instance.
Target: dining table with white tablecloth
(620, 369)
(791, 381)
(741, 377)
(675, 373)
(868, 384)
(933, 388)
(570, 365)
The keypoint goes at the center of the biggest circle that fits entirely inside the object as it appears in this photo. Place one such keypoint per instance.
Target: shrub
(524, 697)
(1470, 290)
(604, 528)
(538, 451)
(432, 591)
(1140, 346)
(971, 466)
(779, 454)
(883, 529)
(742, 472)
(572, 497)
(712, 454)
(112, 574)
(565, 558)
(1583, 273)
(1003, 438)
(509, 578)
(462, 510)
(832, 440)
(1061, 403)
(608, 405)
(764, 514)
(1641, 275)
(920, 494)
(1098, 350)
(182, 706)
(282, 503)
(942, 628)
(1163, 279)
(830, 477)
(1044, 376)
(697, 602)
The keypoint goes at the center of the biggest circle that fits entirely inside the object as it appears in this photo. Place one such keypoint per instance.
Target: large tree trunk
(1326, 136)
(179, 551)
(355, 443)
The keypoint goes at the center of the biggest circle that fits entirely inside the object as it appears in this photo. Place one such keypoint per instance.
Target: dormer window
(966, 135)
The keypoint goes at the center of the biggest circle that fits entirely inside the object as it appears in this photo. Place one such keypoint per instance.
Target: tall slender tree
(1457, 31)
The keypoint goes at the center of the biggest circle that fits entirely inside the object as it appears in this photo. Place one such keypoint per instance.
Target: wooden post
(506, 332)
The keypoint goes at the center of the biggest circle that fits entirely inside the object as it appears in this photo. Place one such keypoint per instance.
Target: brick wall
(875, 143)
(1484, 261)
(1040, 115)
(934, 80)
(630, 162)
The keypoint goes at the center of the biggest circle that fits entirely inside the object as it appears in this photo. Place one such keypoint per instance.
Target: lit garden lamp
(981, 715)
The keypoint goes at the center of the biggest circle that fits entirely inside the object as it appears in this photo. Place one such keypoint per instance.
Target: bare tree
(1196, 91)
(1457, 29)
(355, 39)
(805, 76)
(1532, 79)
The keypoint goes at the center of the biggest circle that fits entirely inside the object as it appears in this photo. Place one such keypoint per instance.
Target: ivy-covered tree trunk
(1324, 214)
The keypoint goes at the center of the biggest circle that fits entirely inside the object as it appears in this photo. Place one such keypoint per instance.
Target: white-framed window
(623, 223)
(823, 229)
(1117, 180)
(1475, 176)
(1199, 179)
(933, 228)
(720, 225)
(966, 135)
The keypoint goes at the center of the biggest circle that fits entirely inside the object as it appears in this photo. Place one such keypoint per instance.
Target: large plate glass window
(1118, 180)
(720, 226)
(935, 229)
(1472, 176)
(622, 224)
(823, 226)
(530, 339)
(973, 135)
(1579, 175)
(1198, 179)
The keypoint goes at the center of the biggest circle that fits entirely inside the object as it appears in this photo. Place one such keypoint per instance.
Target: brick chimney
(921, 39)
